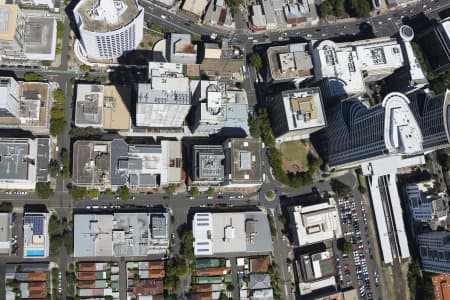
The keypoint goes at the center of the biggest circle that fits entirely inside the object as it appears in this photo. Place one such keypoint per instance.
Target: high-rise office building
(399, 125)
(108, 28)
(434, 249)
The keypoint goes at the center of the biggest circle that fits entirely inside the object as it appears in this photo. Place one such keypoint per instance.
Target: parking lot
(358, 269)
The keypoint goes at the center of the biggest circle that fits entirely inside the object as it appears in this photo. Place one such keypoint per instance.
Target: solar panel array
(37, 221)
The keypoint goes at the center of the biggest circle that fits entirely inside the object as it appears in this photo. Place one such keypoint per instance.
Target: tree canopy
(78, 193)
(255, 61)
(123, 192)
(31, 76)
(194, 192)
(43, 190)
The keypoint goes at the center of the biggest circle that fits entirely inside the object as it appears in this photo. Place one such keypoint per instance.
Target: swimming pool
(35, 252)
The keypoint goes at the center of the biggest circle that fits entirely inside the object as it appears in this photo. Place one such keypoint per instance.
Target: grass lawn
(295, 151)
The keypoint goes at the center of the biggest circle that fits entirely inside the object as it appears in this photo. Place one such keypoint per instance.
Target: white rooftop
(237, 232)
(379, 168)
(380, 55)
(402, 133)
(317, 223)
(341, 66)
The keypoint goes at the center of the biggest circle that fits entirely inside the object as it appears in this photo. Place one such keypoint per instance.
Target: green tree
(68, 241)
(108, 192)
(124, 193)
(54, 225)
(187, 245)
(53, 167)
(93, 193)
(443, 159)
(348, 248)
(85, 68)
(170, 190)
(57, 126)
(340, 188)
(255, 61)
(46, 63)
(78, 193)
(31, 76)
(324, 9)
(270, 194)
(87, 132)
(59, 96)
(56, 242)
(339, 8)
(194, 192)
(43, 190)
(234, 5)
(210, 192)
(60, 30)
(359, 8)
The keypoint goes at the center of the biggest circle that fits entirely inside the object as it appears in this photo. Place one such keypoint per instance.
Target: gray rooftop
(259, 281)
(243, 160)
(208, 162)
(148, 95)
(5, 232)
(119, 150)
(39, 34)
(43, 159)
(84, 245)
(90, 167)
(133, 229)
(13, 164)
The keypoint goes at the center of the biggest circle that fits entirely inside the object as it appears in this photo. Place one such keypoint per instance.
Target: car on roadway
(210, 197)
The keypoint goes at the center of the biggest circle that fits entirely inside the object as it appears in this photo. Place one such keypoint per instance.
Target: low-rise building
(243, 233)
(316, 270)
(220, 110)
(315, 223)
(224, 62)
(181, 50)
(441, 285)
(5, 233)
(194, 8)
(218, 14)
(121, 234)
(290, 62)
(103, 106)
(36, 240)
(111, 164)
(295, 114)
(425, 204)
(24, 162)
(29, 279)
(243, 158)
(25, 105)
(258, 18)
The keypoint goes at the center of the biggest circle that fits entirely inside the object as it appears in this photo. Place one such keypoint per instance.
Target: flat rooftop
(13, 163)
(208, 162)
(290, 61)
(40, 35)
(106, 15)
(121, 234)
(116, 103)
(89, 105)
(316, 223)
(5, 233)
(32, 94)
(91, 162)
(245, 233)
(304, 108)
(8, 20)
(244, 159)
